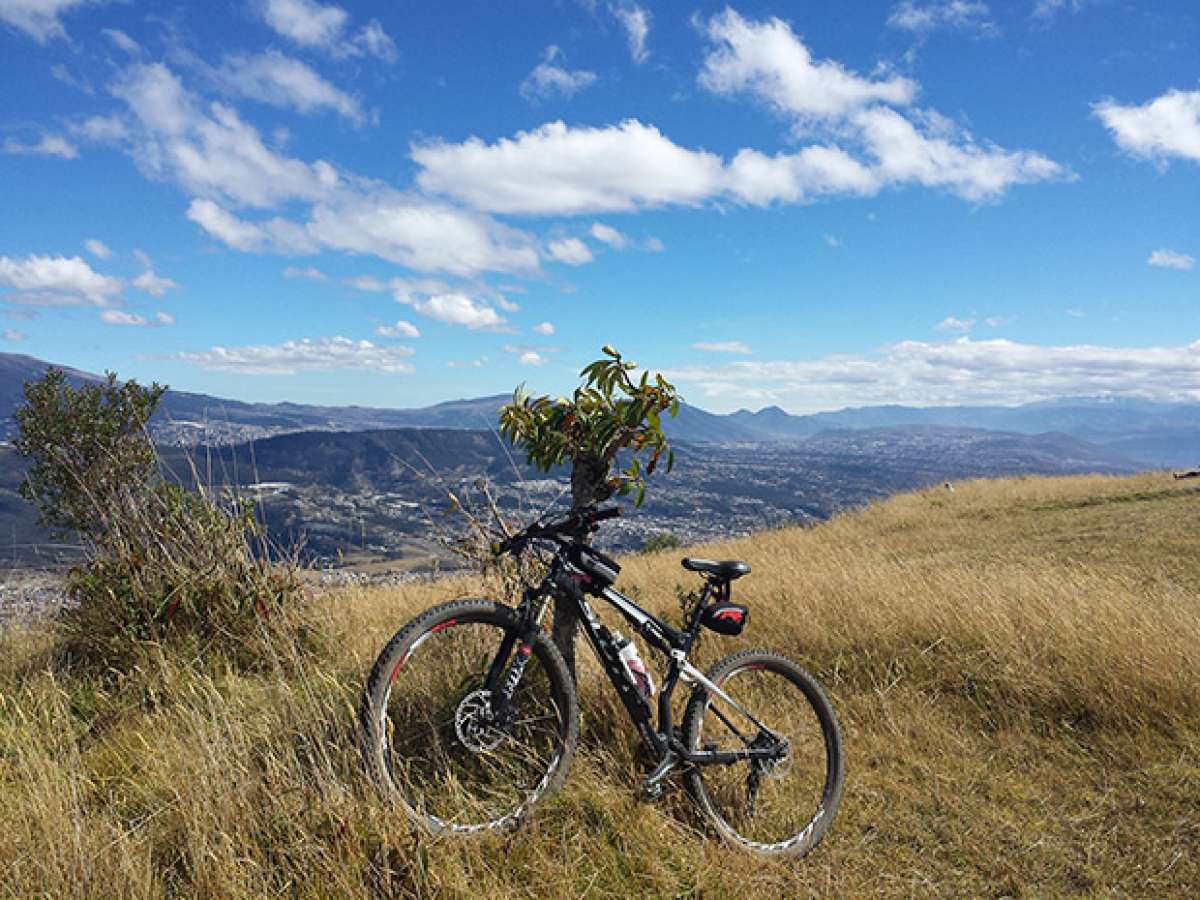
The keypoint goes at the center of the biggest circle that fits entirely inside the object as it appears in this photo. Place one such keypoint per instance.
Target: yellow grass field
(1016, 665)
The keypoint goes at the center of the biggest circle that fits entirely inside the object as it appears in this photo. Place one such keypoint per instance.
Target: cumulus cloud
(208, 149)
(910, 15)
(636, 22)
(49, 145)
(548, 79)
(723, 347)
(304, 355)
(1169, 259)
(279, 80)
(1163, 128)
(544, 328)
(955, 325)
(325, 27)
(606, 234)
(868, 146)
(421, 234)
(400, 329)
(97, 248)
(39, 18)
(154, 284)
(558, 169)
(56, 281)
(571, 251)
(530, 355)
(956, 372)
(120, 317)
(459, 309)
(768, 60)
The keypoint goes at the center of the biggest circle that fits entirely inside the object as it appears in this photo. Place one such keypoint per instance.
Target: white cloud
(532, 358)
(955, 372)
(164, 318)
(955, 325)
(654, 245)
(281, 81)
(304, 355)
(831, 241)
(544, 328)
(606, 234)
(120, 317)
(210, 151)
(1169, 259)
(723, 347)
(767, 59)
(557, 169)
(102, 129)
(636, 22)
(97, 248)
(755, 178)
(324, 27)
(1047, 9)
(49, 145)
(12, 334)
(400, 329)
(459, 309)
(312, 273)
(1165, 127)
(548, 80)
(154, 284)
(910, 15)
(122, 41)
(56, 280)
(571, 251)
(421, 234)
(225, 226)
(39, 18)
(941, 155)
(468, 363)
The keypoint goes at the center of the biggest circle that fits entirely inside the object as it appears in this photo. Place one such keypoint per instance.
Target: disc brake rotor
(474, 723)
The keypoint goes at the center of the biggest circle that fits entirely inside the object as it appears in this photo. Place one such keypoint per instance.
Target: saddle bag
(602, 569)
(725, 618)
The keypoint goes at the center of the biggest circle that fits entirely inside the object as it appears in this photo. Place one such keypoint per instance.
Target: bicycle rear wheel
(431, 740)
(785, 804)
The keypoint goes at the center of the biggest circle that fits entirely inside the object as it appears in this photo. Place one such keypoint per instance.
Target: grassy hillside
(1015, 664)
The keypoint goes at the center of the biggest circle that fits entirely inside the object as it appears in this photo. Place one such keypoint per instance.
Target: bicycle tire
(804, 789)
(428, 709)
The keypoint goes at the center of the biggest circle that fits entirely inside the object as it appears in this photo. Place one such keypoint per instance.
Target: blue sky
(806, 204)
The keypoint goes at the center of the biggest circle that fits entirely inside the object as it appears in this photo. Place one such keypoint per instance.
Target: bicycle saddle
(726, 570)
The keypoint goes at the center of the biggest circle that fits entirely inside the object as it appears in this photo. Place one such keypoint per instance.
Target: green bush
(661, 542)
(162, 562)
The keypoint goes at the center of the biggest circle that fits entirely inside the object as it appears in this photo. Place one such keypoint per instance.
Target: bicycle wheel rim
(451, 777)
(793, 800)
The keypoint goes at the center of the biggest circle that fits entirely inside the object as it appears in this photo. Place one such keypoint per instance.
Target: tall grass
(1014, 664)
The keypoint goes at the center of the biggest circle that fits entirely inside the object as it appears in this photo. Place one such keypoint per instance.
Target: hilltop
(1014, 665)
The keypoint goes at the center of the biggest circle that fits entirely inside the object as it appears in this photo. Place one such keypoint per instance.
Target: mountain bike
(470, 718)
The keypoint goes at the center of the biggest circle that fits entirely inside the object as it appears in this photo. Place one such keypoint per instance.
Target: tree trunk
(589, 484)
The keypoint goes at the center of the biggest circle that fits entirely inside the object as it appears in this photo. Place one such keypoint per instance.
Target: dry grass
(1015, 666)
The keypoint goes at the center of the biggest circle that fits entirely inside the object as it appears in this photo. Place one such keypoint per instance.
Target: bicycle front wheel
(784, 802)
(432, 740)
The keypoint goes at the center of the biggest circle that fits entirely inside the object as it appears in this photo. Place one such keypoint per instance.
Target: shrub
(162, 562)
(661, 542)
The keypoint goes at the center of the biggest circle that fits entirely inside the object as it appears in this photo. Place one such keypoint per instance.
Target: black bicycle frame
(566, 580)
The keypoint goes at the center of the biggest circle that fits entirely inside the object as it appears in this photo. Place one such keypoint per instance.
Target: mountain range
(1127, 430)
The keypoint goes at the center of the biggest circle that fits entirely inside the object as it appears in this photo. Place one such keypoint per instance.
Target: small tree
(86, 447)
(609, 413)
(160, 560)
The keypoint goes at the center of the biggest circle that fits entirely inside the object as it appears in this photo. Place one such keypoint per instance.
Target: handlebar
(575, 525)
